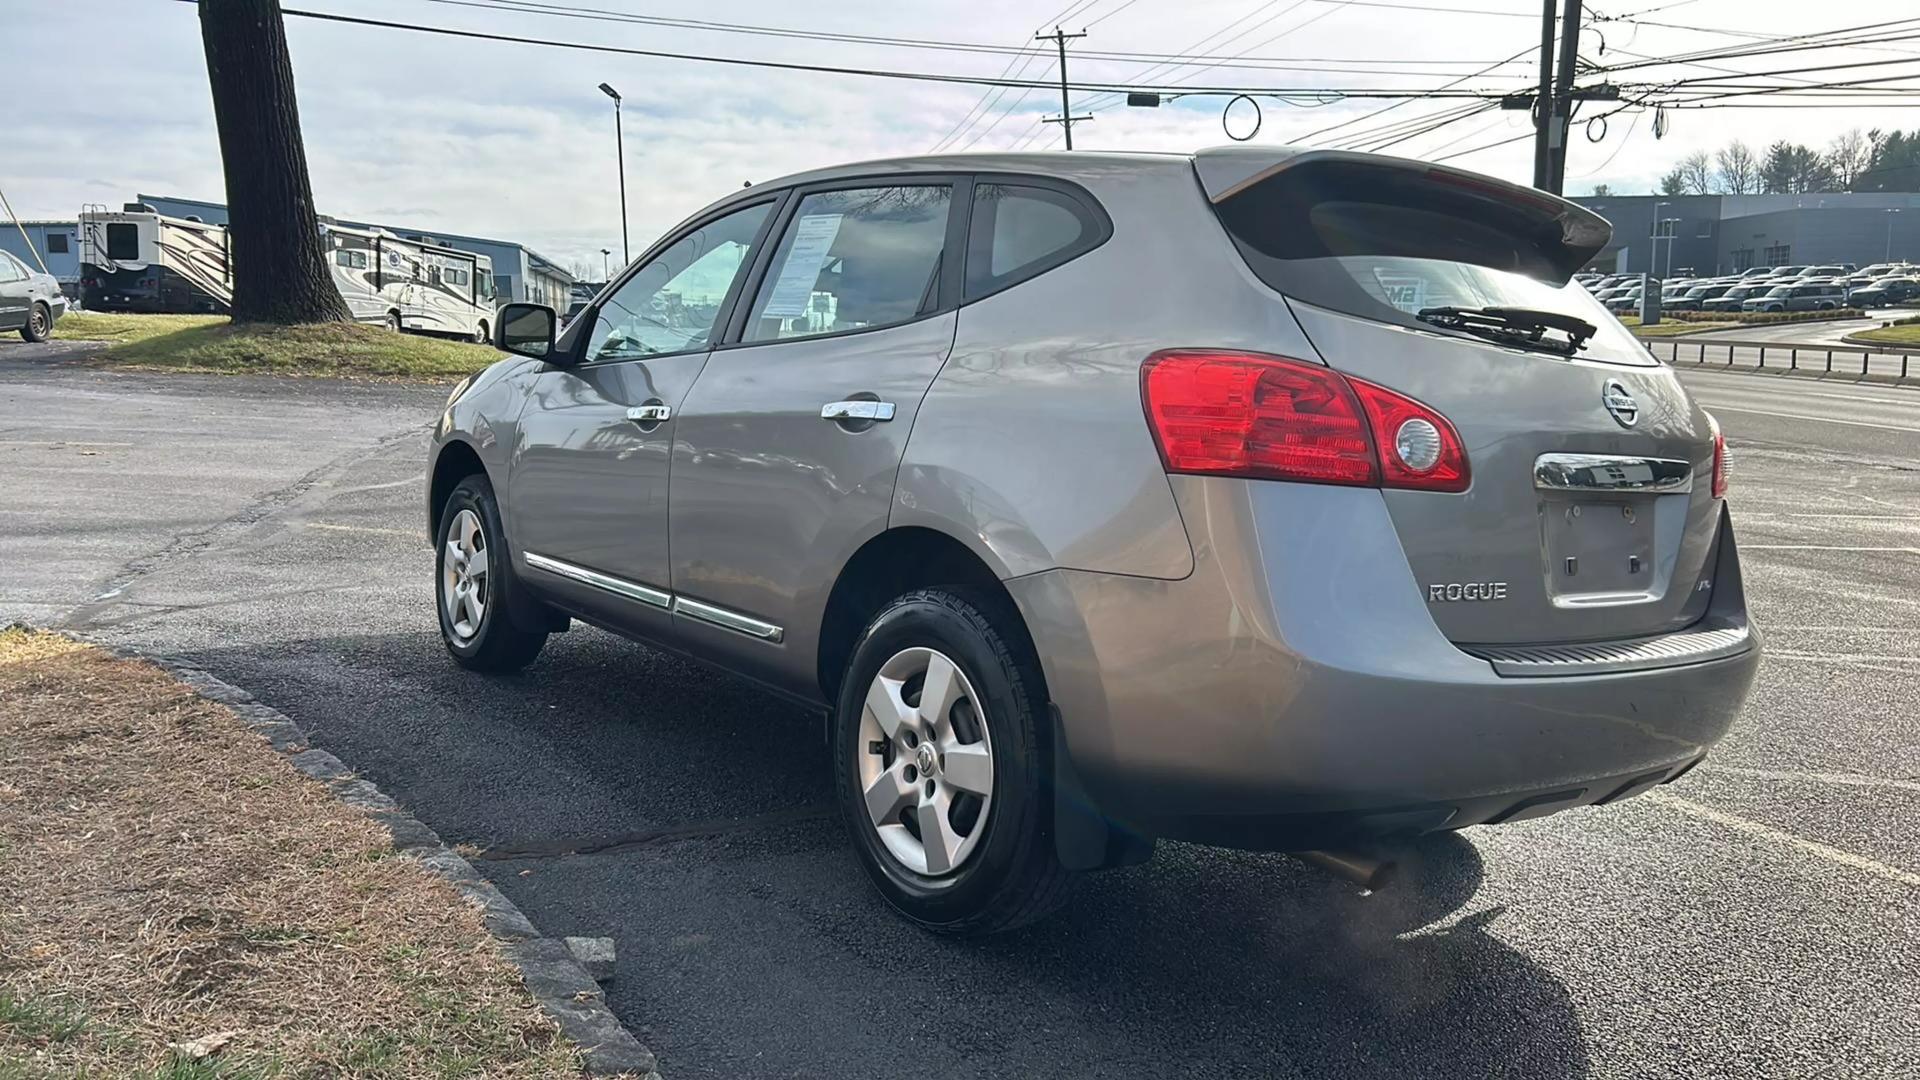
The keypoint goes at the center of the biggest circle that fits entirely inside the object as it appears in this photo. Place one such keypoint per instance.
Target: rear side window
(123, 241)
(854, 260)
(1020, 230)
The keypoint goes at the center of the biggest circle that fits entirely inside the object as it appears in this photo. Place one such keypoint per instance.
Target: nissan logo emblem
(1620, 403)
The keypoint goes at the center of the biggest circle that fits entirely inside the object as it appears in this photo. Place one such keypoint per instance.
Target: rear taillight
(1272, 418)
(1720, 463)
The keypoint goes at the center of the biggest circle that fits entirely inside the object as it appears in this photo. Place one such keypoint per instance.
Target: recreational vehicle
(141, 261)
(137, 260)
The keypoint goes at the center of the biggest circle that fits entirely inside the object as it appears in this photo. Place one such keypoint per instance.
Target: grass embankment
(211, 343)
(167, 879)
(1670, 327)
(1903, 333)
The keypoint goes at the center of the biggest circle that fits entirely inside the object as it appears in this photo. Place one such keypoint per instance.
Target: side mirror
(526, 330)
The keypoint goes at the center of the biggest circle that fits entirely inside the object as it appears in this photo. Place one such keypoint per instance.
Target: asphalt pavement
(1759, 918)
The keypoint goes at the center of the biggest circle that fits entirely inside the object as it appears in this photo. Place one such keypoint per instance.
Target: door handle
(857, 410)
(650, 414)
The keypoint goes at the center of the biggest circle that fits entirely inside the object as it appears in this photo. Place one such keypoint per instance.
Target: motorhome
(136, 260)
(141, 261)
(410, 285)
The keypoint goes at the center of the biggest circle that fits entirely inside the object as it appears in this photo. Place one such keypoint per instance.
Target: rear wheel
(940, 764)
(473, 582)
(39, 323)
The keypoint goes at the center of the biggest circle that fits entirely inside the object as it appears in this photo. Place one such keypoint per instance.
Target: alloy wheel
(463, 575)
(925, 762)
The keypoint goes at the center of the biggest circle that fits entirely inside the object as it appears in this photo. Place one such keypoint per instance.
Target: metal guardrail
(1820, 357)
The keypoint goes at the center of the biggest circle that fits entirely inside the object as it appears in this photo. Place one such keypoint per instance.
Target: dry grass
(339, 350)
(165, 876)
(119, 327)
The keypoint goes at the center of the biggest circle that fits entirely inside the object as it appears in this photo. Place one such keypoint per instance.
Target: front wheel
(39, 323)
(392, 321)
(940, 764)
(473, 581)
(480, 335)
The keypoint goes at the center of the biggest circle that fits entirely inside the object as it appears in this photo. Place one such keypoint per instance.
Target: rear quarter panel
(1032, 446)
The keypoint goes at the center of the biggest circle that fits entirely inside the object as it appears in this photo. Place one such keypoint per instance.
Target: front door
(786, 450)
(588, 496)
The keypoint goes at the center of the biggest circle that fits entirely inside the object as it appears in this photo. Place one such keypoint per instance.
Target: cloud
(514, 141)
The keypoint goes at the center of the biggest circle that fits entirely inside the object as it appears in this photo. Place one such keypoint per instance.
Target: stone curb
(560, 985)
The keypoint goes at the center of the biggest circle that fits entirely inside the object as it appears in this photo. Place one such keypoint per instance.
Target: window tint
(56, 243)
(672, 303)
(1019, 230)
(851, 260)
(123, 241)
(11, 269)
(352, 260)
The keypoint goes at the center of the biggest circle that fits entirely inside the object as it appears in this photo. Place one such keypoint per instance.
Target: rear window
(123, 241)
(1386, 242)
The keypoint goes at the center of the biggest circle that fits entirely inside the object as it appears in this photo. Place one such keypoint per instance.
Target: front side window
(673, 303)
(1018, 230)
(853, 260)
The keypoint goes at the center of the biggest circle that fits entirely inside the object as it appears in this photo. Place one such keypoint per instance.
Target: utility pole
(1066, 119)
(1563, 97)
(1543, 105)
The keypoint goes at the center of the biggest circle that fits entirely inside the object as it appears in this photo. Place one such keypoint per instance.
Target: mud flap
(1083, 838)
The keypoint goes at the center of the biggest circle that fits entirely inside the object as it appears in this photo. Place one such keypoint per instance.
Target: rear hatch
(1590, 514)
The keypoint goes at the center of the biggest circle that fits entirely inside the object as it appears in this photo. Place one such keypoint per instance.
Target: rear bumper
(1299, 693)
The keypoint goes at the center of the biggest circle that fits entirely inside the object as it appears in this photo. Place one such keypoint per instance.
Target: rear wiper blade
(1524, 327)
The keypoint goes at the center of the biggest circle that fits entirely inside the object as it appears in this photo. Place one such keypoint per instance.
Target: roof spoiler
(1575, 233)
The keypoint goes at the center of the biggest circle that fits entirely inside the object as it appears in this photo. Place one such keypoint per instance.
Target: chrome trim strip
(878, 411)
(1611, 472)
(731, 620)
(1607, 657)
(632, 590)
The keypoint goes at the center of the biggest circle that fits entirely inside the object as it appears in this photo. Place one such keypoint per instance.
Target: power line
(878, 73)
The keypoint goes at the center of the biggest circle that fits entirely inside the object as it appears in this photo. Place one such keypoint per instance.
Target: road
(1759, 918)
(1802, 348)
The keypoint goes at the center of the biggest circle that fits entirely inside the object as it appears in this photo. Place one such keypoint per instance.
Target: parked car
(30, 301)
(1886, 292)
(1799, 296)
(1756, 272)
(1280, 550)
(1733, 298)
(1625, 303)
(1785, 273)
(1889, 269)
(1692, 299)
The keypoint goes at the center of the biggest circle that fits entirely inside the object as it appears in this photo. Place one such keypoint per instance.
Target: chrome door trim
(650, 414)
(857, 410)
(1611, 472)
(632, 590)
(727, 619)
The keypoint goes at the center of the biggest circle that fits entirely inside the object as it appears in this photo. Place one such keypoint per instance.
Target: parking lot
(1759, 918)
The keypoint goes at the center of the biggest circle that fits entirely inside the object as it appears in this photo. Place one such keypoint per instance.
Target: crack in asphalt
(112, 592)
(649, 837)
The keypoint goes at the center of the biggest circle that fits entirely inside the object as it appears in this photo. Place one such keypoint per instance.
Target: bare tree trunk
(279, 263)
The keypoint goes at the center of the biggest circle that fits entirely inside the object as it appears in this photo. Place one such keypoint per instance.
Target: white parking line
(1803, 416)
(1841, 657)
(1842, 779)
(1767, 832)
(1823, 547)
(413, 533)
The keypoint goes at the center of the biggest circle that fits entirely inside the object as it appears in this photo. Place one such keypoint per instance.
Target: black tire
(39, 323)
(480, 334)
(1012, 876)
(392, 321)
(497, 644)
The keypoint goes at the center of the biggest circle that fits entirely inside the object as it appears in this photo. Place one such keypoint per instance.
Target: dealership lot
(1761, 917)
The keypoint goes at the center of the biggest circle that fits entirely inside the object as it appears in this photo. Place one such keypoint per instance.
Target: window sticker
(1408, 292)
(813, 238)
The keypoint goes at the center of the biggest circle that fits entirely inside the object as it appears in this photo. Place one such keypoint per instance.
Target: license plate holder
(1599, 547)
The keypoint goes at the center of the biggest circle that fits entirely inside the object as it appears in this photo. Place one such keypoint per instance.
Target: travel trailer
(139, 260)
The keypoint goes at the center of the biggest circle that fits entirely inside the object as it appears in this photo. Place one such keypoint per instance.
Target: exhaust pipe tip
(1368, 871)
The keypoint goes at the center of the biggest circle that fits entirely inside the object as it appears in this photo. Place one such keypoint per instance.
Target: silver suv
(1276, 499)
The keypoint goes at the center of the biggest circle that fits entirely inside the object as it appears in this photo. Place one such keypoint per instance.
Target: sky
(513, 140)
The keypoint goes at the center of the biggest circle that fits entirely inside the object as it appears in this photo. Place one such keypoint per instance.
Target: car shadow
(757, 941)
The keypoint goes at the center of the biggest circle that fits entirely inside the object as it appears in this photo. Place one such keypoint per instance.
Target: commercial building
(519, 272)
(1724, 234)
(55, 243)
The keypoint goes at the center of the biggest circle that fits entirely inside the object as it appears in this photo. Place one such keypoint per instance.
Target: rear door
(1589, 515)
(786, 450)
(15, 283)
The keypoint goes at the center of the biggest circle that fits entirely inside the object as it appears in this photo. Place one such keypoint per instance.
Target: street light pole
(1891, 210)
(1669, 223)
(604, 275)
(1653, 253)
(619, 148)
